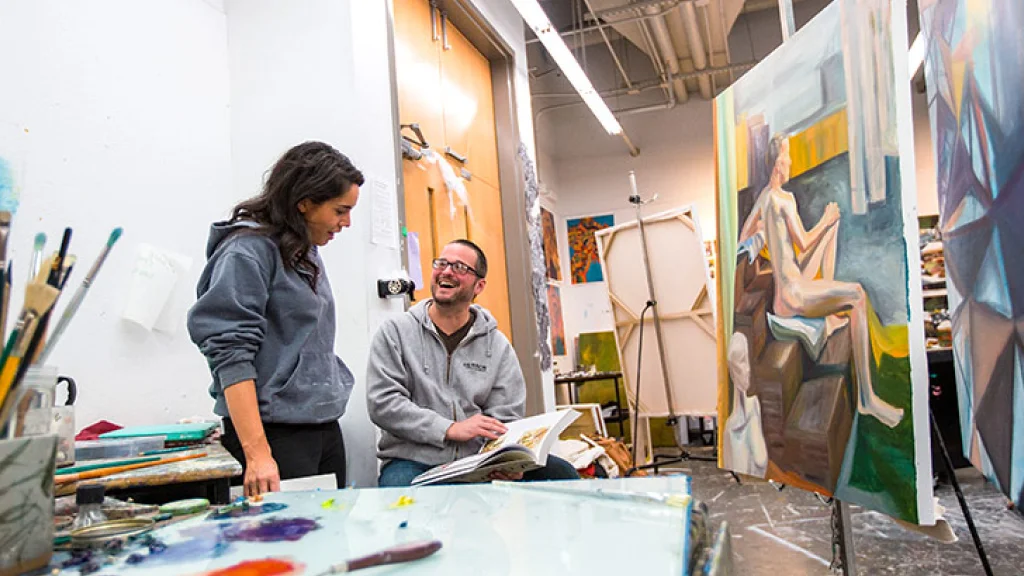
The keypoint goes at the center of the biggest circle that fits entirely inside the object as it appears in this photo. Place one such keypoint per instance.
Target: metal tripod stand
(652, 304)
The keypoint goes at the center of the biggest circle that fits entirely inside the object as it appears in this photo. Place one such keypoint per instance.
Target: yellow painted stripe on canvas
(742, 144)
(825, 140)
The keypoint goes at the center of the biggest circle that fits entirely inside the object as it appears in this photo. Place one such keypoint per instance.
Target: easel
(652, 305)
(843, 555)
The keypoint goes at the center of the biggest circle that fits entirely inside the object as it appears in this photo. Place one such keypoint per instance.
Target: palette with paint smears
(483, 529)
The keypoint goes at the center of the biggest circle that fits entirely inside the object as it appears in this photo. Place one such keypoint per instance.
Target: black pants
(299, 449)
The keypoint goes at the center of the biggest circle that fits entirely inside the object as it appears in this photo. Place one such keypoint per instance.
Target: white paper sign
(383, 214)
(412, 244)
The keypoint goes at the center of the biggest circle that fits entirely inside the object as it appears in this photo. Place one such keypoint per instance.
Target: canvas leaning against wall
(557, 325)
(975, 79)
(822, 369)
(585, 265)
(552, 262)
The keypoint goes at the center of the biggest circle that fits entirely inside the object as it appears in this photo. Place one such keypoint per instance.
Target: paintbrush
(673, 500)
(39, 298)
(90, 474)
(37, 256)
(394, 555)
(5, 285)
(5, 298)
(76, 300)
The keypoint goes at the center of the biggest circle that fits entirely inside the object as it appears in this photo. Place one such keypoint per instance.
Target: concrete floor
(788, 532)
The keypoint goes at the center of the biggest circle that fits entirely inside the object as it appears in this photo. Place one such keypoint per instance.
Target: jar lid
(89, 494)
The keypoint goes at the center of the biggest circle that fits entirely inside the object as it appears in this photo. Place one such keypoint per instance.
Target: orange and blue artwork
(584, 262)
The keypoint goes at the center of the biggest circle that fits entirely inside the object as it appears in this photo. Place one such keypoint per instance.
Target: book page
(532, 432)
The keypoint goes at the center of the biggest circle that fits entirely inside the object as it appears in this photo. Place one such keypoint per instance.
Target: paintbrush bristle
(39, 297)
(5, 217)
(114, 236)
(40, 241)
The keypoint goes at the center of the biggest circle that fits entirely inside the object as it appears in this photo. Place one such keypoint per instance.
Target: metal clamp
(444, 31)
(433, 21)
(415, 127)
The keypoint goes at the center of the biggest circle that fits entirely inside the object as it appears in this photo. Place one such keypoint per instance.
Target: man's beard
(463, 295)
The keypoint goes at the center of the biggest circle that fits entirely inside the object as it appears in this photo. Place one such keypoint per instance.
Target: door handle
(460, 157)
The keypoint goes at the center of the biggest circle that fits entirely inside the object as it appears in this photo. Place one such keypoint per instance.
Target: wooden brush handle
(397, 554)
(68, 478)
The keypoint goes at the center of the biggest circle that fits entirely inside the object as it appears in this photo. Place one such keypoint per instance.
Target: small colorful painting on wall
(974, 76)
(552, 262)
(824, 378)
(584, 261)
(557, 325)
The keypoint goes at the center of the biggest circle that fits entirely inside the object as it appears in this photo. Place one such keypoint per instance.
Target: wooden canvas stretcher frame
(681, 280)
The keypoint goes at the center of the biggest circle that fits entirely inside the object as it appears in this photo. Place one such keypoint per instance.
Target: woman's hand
(261, 474)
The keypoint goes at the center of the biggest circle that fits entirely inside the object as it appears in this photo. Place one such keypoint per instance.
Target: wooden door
(469, 108)
(487, 231)
(417, 62)
(448, 93)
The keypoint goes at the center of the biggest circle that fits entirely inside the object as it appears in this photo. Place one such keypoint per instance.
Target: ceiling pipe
(668, 53)
(602, 25)
(697, 52)
(611, 50)
(636, 88)
(654, 83)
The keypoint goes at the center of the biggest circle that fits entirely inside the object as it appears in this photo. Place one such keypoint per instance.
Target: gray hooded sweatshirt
(413, 392)
(256, 319)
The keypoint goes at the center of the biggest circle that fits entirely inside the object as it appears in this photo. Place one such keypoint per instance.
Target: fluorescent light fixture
(916, 55)
(538, 21)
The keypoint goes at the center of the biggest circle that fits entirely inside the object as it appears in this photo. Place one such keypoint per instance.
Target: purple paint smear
(270, 530)
(245, 511)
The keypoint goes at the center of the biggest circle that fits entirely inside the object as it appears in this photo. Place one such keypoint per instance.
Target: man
(442, 379)
(805, 285)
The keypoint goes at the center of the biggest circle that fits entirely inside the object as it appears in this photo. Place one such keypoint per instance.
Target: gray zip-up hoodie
(413, 393)
(256, 319)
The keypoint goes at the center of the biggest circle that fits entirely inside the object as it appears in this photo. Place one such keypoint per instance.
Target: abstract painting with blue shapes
(975, 84)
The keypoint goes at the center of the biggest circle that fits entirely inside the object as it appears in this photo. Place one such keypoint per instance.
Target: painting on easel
(822, 369)
(974, 78)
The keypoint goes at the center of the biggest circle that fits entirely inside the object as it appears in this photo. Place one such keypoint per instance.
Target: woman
(264, 319)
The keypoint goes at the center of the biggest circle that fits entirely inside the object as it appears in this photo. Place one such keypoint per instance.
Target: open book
(522, 448)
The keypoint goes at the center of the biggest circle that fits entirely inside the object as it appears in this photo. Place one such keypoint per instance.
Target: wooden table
(208, 477)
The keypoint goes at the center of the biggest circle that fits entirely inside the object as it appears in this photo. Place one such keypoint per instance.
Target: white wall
(120, 110)
(159, 117)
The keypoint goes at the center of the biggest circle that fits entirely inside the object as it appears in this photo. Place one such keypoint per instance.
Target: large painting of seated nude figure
(822, 369)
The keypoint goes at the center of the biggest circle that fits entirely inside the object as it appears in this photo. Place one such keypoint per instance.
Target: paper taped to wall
(151, 302)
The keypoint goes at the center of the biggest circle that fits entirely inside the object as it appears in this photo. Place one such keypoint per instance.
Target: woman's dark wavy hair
(312, 171)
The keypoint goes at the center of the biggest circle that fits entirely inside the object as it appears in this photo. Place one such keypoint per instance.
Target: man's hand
(832, 213)
(261, 475)
(475, 426)
(509, 476)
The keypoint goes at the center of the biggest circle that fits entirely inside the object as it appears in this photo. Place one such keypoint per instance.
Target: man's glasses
(459, 268)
